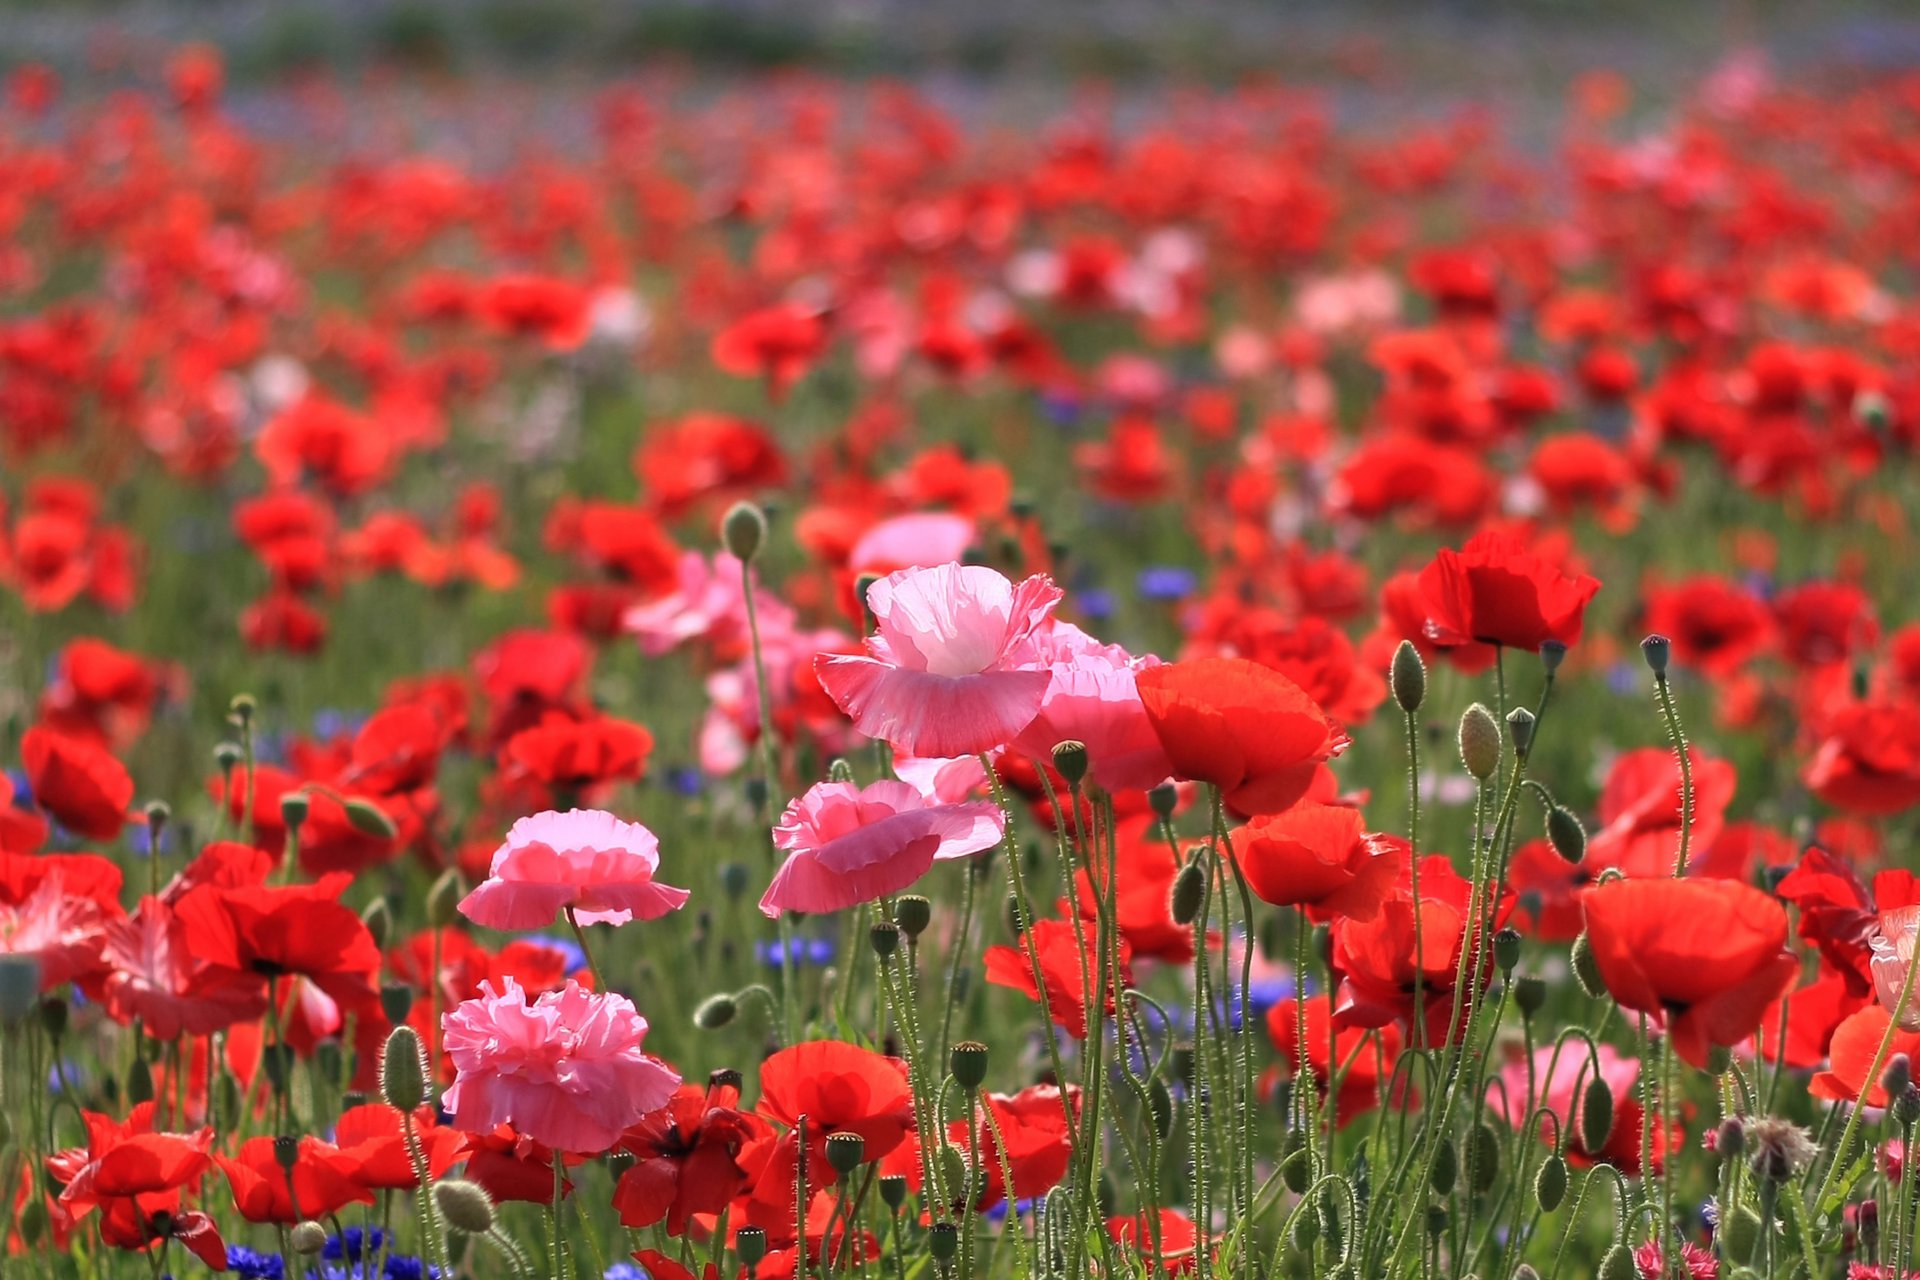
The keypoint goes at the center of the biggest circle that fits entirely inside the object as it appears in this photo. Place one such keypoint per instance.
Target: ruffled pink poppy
(585, 859)
(1091, 698)
(953, 668)
(850, 844)
(566, 1071)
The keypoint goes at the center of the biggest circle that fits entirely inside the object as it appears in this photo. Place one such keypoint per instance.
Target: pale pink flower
(585, 859)
(157, 979)
(942, 779)
(1558, 1085)
(709, 604)
(847, 844)
(1892, 946)
(953, 668)
(566, 1071)
(919, 540)
(1091, 698)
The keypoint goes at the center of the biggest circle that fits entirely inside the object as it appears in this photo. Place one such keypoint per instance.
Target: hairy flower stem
(1663, 688)
(789, 997)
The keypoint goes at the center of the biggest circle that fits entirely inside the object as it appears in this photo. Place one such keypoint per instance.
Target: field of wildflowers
(794, 682)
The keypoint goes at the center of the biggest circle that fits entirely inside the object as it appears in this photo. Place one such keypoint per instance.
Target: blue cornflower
(1165, 582)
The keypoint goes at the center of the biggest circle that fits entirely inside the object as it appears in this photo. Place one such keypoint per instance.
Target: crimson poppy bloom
(373, 1140)
(1318, 857)
(511, 1166)
(1365, 1055)
(1868, 760)
(78, 782)
(1705, 958)
(571, 756)
(839, 1088)
(135, 1177)
(1498, 591)
(686, 1157)
(1244, 728)
(1851, 1054)
(323, 1181)
(1067, 952)
(156, 977)
(278, 931)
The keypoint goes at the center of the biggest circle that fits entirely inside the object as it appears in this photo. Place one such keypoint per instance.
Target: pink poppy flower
(566, 1071)
(953, 668)
(849, 844)
(1091, 697)
(920, 538)
(585, 859)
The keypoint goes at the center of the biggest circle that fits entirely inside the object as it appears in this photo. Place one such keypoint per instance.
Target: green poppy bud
(1408, 677)
(1480, 742)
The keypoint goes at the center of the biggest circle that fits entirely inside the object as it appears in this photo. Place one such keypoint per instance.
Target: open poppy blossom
(1244, 728)
(1318, 857)
(1495, 590)
(586, 862)
(848, 844)
(80, 783)
(1704, 959)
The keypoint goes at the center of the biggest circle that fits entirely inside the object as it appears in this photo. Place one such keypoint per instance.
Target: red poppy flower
(569, 756)
(1706, 958)
(373, 1141)
(323, 1181)
(1851, 1054)
(1497, 591)
(1064, 949)
(1366, 1056)
(278, 931)
(511, 1167)
(1319, 857)
(79, 783)
(778, 343)
(1248, 730)
(1179, 1239)
(1868, 760)
(1715, 625)
(135, 1177)
(839, 1088)
(1146, 868)
(558, 313)
(686, 1158)
(156, 977)
(1840, 915)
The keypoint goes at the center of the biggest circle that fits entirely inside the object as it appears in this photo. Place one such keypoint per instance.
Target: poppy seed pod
(1596, 1116)
(744, 530)
(884, 937)
(403, 1070)
(913, 914)
(846, 1152)
(1520, 724)
(465, 1206)
(1070, 758)
(1506, 949)
(751, 1244)
(242, 708)
(1552, 654)
(1658, 651)
(968, 1063)
(1566, 835)
(893, 1190)
(943, 1242)
(715, 1011)
(1530, 994)
(1479, 742)
(227, 756)
(307, 1238)
(1408, 676)
(294, 807)
(158, 815)
(286, 1152)
(1162, 799)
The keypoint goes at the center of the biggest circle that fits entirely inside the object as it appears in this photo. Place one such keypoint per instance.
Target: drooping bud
(1596, 1116)
(1658, 651)
(968, 1064)
(369, 819)
(1897, 1076)
(744, 531)
(378, 917)
(308, 1238)
(1483, 1159)
(1550, 1183)
(913, 914)
(1189, 891)
(1446, 1167)
(1408, 677)
(465, 1206)
(1070, 759)
(1479, 742)
(1306, 1232)
(403, 1070)
(1618, 1265)
(715, 1011)
(1566, 835)
(1586, 968)
(443, 899)
(1506, 949)
(1740, 1229)
(846, 1151)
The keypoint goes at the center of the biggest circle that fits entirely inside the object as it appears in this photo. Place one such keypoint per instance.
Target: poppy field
(791, 680)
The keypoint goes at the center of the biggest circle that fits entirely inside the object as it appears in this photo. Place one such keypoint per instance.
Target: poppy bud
(19, 986)
(1740, 1230)
(369, 819)
(1566, 835)
(158, 815)
(242, 708)
(1596, 1116)
(140, 1082)
(1658, 651)
(840, 770)
(294, 807)
(1586, 968)
(32, 1222)
(1070, 758)
(846, 1152)
(1550, 1183)
(403, 1070)
(1525, 1271)
(884, 937)
(1436, 1219)
(1160, 1103)
(893, 1190)
(53, 1016)
(1530, 994)
(286, 1152)
(1483, 1159)
(743, 530)
(1189, 891)
(1479, 742)
(378, 917)
(751, 1244)
(1719, 1059)
(1506, 949)
(734, 878)
(1898, 1075)
(1618, 1265)
(1446, 1167)
(1520, 724)
(1408, 676)
(968, 1063)
(308, 1237)
(1306, 1231)
(1297, 1171)
(443, 899)
(464, 1206)
(1906, 1106)
(943, 1242)
(715, 1011)
(227, 756)
(913, 914)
